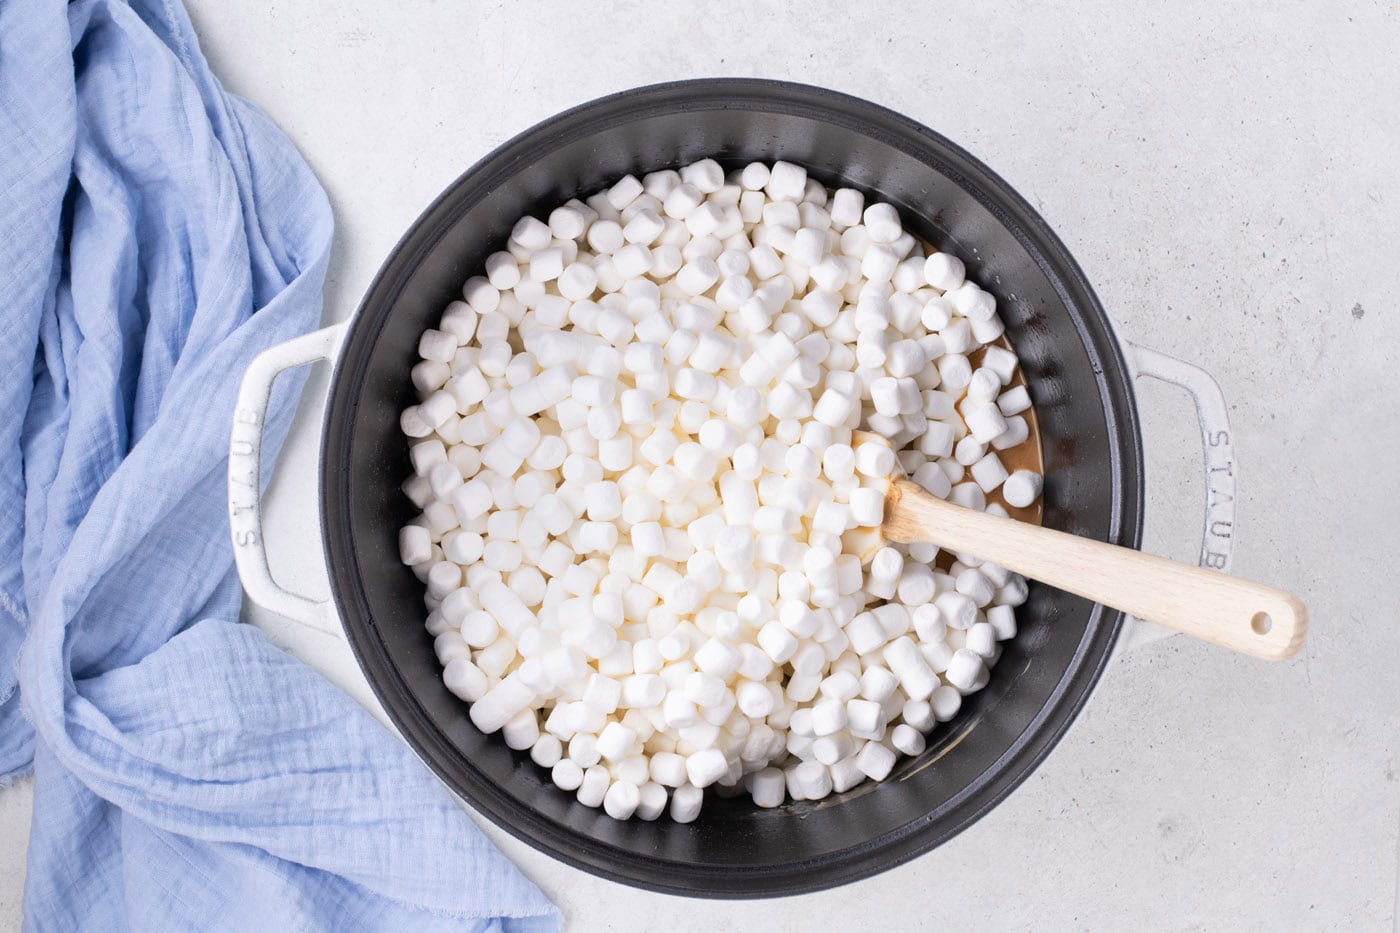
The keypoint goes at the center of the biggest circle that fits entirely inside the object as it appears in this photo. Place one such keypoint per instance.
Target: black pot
(1076, 373)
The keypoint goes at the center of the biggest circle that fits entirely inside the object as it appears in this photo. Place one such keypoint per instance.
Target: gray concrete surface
(1227, 176)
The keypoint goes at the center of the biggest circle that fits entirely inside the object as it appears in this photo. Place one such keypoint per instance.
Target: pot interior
(1088, 428)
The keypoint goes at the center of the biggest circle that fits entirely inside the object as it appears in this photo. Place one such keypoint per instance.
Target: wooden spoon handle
(1246, 617)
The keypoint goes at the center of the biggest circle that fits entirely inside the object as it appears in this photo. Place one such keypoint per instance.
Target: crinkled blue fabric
(157, 233)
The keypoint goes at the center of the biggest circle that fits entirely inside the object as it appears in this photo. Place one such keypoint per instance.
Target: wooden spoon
(1247, 617)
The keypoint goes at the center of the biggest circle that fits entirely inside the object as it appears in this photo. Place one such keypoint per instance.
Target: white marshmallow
(1017, 432)
(1022, 488)
(908, 740)
(847, 207)
(1014, 401)
(867, 506)
(686, 801)
(786, 181)
(985, 422)
(875, 761)
(705, 767)
(882, 222)
(988, 472)
(945, 701)
(943, 271)
(964, 670)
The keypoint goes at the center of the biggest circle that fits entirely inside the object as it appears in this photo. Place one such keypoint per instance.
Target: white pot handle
(1217, 445)
(244, 491)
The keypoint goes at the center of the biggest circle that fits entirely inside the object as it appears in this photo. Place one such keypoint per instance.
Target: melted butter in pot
(1025, 455)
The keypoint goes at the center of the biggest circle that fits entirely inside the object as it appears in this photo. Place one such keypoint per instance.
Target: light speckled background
(1227, 178)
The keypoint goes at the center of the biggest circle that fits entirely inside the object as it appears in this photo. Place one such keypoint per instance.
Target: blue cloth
(155, 234)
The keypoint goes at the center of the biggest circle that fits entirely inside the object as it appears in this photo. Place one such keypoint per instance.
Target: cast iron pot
(1078, 374)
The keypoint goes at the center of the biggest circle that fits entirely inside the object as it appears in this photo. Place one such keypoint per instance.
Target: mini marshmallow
(943, 271)
(907, 739)
(668, 769)
(875, 761)
(567, 775)
(593, 791)
(877, 684)
(916, 585)
(768, 787)
(964, 670)
(415, 545)
(835, 408)
(879, 262)
(945, 703)
(905, 358)
(867, 507)
(847, 207)
(1021, 488)
(717, 659)
(686, 801)
(1014, 593)
(1017, 432)
(972, 302)
(909, 666)
(501, 702)
(982, 640)
(786, 181)
(811, 779)
(985, 422)
(706, 175)
(705, 767)
(643, 691)
(874, 460)
(1014, 401)
(624, 192)
(615, 742)
(882, 222)
(973, 584)
(988, 472)
(621, 800)
(651, 801)
(984, 386)
(777, 642)
(697, 276)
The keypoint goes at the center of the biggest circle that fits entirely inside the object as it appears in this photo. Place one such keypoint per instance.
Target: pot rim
(1111, 372)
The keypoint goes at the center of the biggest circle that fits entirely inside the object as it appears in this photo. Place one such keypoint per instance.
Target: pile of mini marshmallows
(633, 455)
